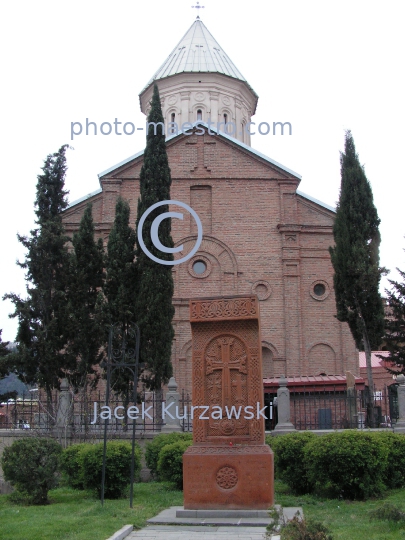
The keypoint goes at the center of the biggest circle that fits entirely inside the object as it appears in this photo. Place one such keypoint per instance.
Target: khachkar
(228, 466)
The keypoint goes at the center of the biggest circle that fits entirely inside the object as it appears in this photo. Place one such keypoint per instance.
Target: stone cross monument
(228, 466)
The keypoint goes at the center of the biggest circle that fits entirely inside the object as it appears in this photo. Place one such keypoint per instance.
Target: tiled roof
(329, 382)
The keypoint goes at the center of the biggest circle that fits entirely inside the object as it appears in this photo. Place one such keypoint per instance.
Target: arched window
(199, 114)
(225, 118)
(173, 120)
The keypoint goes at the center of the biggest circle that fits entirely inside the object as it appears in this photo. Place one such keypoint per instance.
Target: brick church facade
(261, 235)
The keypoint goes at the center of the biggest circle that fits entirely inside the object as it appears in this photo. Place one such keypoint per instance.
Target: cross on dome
(198, 7)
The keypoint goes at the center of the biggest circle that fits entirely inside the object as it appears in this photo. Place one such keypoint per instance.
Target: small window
(173, 119)
(199, 114)
(199, 267)
(225, 118)
(319, 289)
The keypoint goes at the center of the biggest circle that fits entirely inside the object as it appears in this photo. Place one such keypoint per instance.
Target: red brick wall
(259, 236)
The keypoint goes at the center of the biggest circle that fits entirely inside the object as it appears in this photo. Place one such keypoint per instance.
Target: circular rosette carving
(262, 289)
(227, 426)
(227, 477)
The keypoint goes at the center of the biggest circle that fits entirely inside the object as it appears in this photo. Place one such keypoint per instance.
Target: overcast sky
(322, 66)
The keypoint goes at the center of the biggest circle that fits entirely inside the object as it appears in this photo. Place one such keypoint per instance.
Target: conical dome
(198, 81)
(197, 51)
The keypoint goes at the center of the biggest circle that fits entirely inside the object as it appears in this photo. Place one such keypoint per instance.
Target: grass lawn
(348, 520)
(77, 515)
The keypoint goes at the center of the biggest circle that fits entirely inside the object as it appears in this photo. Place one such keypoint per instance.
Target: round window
(319, 289)
(199, 267)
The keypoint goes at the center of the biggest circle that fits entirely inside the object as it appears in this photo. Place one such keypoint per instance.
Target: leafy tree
(155, 282)
(40, 357)
(119, 287)
(85, 328)
(355, 258)
(395, 324)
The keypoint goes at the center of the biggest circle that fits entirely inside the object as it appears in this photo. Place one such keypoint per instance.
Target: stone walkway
(186, 532)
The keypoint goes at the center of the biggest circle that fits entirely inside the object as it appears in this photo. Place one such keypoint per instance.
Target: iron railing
(318, 407)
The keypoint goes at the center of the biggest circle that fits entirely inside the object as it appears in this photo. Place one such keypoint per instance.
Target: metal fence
(317, 407)
(84, 418)
(185, 404)
(311, 408)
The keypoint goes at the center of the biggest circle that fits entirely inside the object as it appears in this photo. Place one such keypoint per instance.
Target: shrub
(349, 464)
(305, 529)
(289, 459)
(117, 470)
(154, 447)
(394, 472)
(170, 464)
(298, 528)
(30, 464)
(70, 464)
(387, 512)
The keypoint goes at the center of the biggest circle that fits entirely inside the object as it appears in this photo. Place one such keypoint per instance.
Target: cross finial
(198, 7)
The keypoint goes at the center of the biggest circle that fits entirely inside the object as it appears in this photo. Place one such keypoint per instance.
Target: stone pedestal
(284, 423)
(172, 400)
(228, 466)
(235, 478)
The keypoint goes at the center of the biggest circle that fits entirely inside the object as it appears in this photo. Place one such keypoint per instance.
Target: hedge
(30, 464)
(350, 465)
(70, 465)
(154, 447)
(82, 464)
(289, 459)
(170, 463)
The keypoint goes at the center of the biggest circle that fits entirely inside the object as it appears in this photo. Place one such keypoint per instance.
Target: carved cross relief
(226, 382)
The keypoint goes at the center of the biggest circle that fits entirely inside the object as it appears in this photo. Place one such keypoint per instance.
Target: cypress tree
(355, 259)
(119, 286)
(4, 351)
(41, 316)
(85, 329)
(395, 324)
(155, 282)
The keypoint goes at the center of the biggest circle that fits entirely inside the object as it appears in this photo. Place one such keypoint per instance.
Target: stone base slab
(222, 513)
(228, 478)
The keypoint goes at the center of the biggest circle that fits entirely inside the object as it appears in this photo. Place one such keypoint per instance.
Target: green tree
(395, 324)
(40, 357)
(154, 306)
(119, 286)
(86, 330)
(4, 351)
(355, 259)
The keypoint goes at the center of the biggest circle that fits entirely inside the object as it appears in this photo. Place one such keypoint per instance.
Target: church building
(261, 234)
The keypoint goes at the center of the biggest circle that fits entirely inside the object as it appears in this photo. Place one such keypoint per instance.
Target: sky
(325, 67)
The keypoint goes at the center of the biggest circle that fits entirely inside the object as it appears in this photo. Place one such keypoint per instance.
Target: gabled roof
(316, 201)
(217, 134)
(196, 52)
(88, 196)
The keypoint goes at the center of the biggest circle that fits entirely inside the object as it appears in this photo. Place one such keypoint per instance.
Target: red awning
(320, 383)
